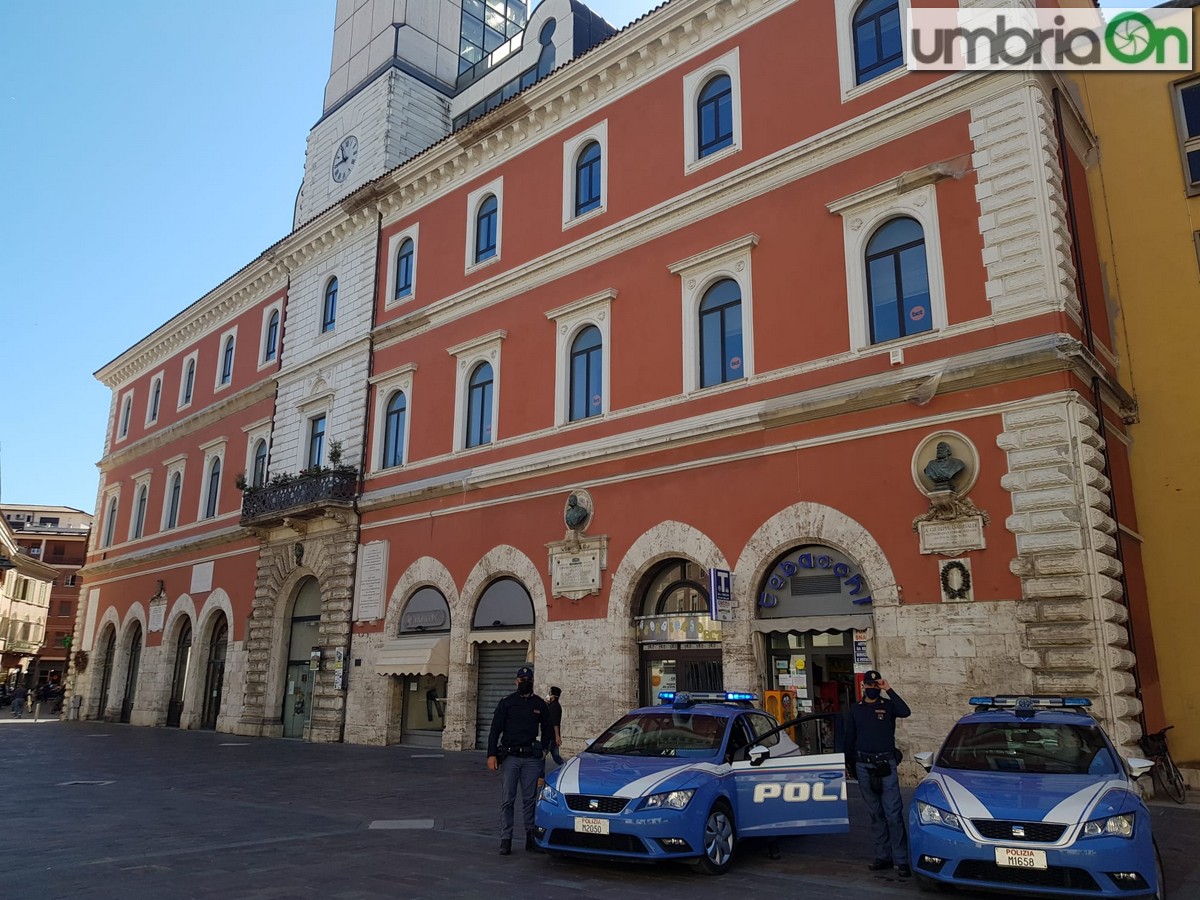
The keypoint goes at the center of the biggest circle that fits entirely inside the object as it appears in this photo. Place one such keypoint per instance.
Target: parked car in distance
(1029, 794)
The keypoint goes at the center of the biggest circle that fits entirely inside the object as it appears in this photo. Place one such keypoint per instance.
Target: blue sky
(150, 149)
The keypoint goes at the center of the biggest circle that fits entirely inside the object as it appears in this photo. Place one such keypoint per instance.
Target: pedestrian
(18, 701)
(520, 731)
(554, 707)
(871, 757)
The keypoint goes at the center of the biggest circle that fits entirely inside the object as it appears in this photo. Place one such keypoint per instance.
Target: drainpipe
(1097, 399)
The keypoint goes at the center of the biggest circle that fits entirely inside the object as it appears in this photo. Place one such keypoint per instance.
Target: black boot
(506, 846)
(531, 845)
(879, 865)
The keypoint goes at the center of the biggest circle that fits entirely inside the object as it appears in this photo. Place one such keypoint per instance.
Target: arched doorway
(813, 620)
(418, 661)
(110, 652)
(131, 672)
(214, 676)
(183, 655)
(505, 606)
(679, 644)
(304, 639)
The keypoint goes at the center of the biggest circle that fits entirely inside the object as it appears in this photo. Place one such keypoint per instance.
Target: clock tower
(396, 66)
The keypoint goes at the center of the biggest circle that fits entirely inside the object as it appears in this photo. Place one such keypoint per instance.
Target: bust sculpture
(576, 515)
(944, 468)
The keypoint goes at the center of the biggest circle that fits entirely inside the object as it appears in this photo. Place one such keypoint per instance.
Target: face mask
(871, 693)
(525, 687)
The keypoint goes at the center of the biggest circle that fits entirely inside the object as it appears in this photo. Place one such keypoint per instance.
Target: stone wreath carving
(964, 580)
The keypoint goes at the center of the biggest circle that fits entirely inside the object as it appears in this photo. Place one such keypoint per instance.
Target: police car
(1028, 793)
(688, 780)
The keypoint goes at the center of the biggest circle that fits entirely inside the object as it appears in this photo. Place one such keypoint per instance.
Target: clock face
(344, 157)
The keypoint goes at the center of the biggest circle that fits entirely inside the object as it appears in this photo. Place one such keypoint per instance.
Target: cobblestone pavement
(94, 810)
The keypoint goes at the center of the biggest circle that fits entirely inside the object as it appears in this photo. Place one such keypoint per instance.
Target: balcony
(303, 497)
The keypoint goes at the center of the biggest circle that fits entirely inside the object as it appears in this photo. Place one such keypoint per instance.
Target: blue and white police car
(1028, 793)
(687, 780)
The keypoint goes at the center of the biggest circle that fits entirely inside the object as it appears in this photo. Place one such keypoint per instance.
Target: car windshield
(666, 733)
(1036, 747)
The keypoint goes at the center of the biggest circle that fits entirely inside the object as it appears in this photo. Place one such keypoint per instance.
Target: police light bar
(689, 698)
(1008, 701)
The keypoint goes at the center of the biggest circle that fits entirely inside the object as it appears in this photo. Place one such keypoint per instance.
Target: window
(155, 400)
(126, 412)
(1187, 118)
(485, 229)
(271, 345)
(404, 269)
(173, 500)
(316, 442)
(227, 361)
(214, 488)
(329, 310)
(898, 281)
(878, 39)
(259, 473)
(69, 581)
(393, 430)
(110, 522)
(479, 406)
(721, 333)
(587, 179)
(139, 513)
(714, 116)
(188, 385)
(587, 383)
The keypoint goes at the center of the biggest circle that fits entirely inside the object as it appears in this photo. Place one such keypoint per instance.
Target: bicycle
(1166, 774)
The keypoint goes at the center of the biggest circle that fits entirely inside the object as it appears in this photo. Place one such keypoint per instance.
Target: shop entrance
(302, 666)
(183, 654)
(214, 678)
(810, 673)
(131, 675)
(679, 644)
(110, 651)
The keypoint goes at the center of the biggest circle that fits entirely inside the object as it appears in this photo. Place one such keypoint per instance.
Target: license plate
(1020, 858)
(591, 826)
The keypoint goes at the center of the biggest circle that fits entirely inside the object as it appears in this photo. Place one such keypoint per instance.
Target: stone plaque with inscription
(952, 537)
(371, 583)
(575, 573)
(158, 614)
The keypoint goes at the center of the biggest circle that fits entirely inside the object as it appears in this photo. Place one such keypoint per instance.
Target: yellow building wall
(1146, 226)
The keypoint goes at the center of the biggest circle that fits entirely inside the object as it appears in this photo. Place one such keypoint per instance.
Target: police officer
(521, 729)
(871, 757)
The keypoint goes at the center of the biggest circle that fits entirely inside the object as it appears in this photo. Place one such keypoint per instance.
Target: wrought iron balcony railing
(306, 496)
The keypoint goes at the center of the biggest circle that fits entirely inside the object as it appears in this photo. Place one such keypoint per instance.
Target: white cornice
(600, 298)
(474, 344)
(707, 257)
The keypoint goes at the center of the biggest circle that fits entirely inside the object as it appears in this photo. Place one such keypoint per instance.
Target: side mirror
(758, 755)
(924, 759)
(1138, 766)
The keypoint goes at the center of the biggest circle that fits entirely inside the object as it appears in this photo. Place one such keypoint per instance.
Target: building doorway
(131, 674)
(110, 651)
(302, 666)
(214, 675)
(183, 656)
(679, 644)
(504, 614)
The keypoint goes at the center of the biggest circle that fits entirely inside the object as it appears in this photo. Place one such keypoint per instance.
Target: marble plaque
(370, 584)
(158, 614)
(575, 573)
(950, 538)
(202, 575)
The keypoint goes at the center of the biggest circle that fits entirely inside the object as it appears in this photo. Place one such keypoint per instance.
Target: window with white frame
(329, 306)
(210, 489)
(258, 464)
(477, 396)
(228, 347)
(894, 280)
(402, 265)
(485, 224)
(110, 519)
(585, 174)
(258, 448)
(582, 353)
(126, 415)
(174, 496)
(154, 403)
(870, 43)
(712, 111)
(718, 314)
(141, 502)
(393, 413)
(315, 457)
(272, 324)
(187, 380)
(1186, 96)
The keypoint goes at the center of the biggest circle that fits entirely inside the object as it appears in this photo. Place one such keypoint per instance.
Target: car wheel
(719, 838)
(927, 885)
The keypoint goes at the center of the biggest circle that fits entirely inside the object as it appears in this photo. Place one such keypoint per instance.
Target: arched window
(587, 179)
(587, 385)
(214, 488)
(878, 39)
(173, 502)
(155, 399)
(189, 382)
(898, 281)
(479, 406)
(272, 337)
(504, 604)
(139, 513)
(329, 311)
(545, 63)
(714, 116)
(126, 414)
(721, 333)
(393, 430)
(227, 361)
(404, 268)
(110, 522)
(259, 476)
(426, 610)
(485, 229)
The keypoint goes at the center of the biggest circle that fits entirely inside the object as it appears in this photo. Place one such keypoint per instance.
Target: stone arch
(660, 542)
(109, 619)
(215, 604)
(285, 600)
(120, 672)
(183, 609)
(424, 572)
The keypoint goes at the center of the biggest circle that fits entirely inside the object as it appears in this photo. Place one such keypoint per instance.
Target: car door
(787, 792)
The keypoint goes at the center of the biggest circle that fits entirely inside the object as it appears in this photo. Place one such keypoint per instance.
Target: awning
(859, 622)
(501, 636)
(415, 656)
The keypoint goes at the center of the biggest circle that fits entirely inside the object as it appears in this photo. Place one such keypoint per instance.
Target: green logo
(1132, 37)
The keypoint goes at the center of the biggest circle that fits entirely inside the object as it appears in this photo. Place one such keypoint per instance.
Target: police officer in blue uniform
(871, 756)
(521, 731)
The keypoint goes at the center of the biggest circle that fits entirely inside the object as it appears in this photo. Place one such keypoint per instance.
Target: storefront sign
(677, 627)
(720, 595)
(369, 586)
(779, 580)
(425, 620)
